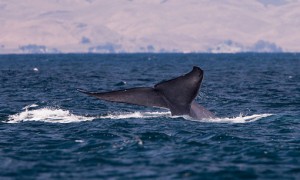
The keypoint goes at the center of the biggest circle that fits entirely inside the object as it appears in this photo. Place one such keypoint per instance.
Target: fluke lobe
(177, 94)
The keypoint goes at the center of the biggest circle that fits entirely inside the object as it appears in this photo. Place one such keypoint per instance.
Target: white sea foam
(239, 119)
(30, 106)
(51, 115)
(136, 115)
(54, 115)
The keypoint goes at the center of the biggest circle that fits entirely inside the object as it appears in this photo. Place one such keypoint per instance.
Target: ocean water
(48, 130)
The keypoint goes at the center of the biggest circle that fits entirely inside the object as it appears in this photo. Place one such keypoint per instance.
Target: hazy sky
(147, 25)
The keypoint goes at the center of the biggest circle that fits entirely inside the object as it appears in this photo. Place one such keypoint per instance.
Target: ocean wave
(55, 115)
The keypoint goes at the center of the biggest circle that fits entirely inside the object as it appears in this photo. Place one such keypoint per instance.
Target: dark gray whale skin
(177, 94)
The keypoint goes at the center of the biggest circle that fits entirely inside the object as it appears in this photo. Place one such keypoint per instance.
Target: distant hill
(34, 26)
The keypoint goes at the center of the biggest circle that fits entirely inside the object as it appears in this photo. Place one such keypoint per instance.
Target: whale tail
(176, 94)
(139, 96)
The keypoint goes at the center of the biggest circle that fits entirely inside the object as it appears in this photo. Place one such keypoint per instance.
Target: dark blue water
(48, 130)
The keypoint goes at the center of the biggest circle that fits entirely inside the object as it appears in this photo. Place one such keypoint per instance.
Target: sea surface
(49, 130)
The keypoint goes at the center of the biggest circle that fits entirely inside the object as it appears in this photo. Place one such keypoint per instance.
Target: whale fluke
(177, 94)
(143, 96)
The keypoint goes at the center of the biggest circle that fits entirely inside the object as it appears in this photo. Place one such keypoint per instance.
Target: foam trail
(53, 115)
(238, 119)
(136, 115)
(47, 115)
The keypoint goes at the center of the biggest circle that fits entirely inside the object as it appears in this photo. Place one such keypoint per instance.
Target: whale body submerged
(178, 95)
